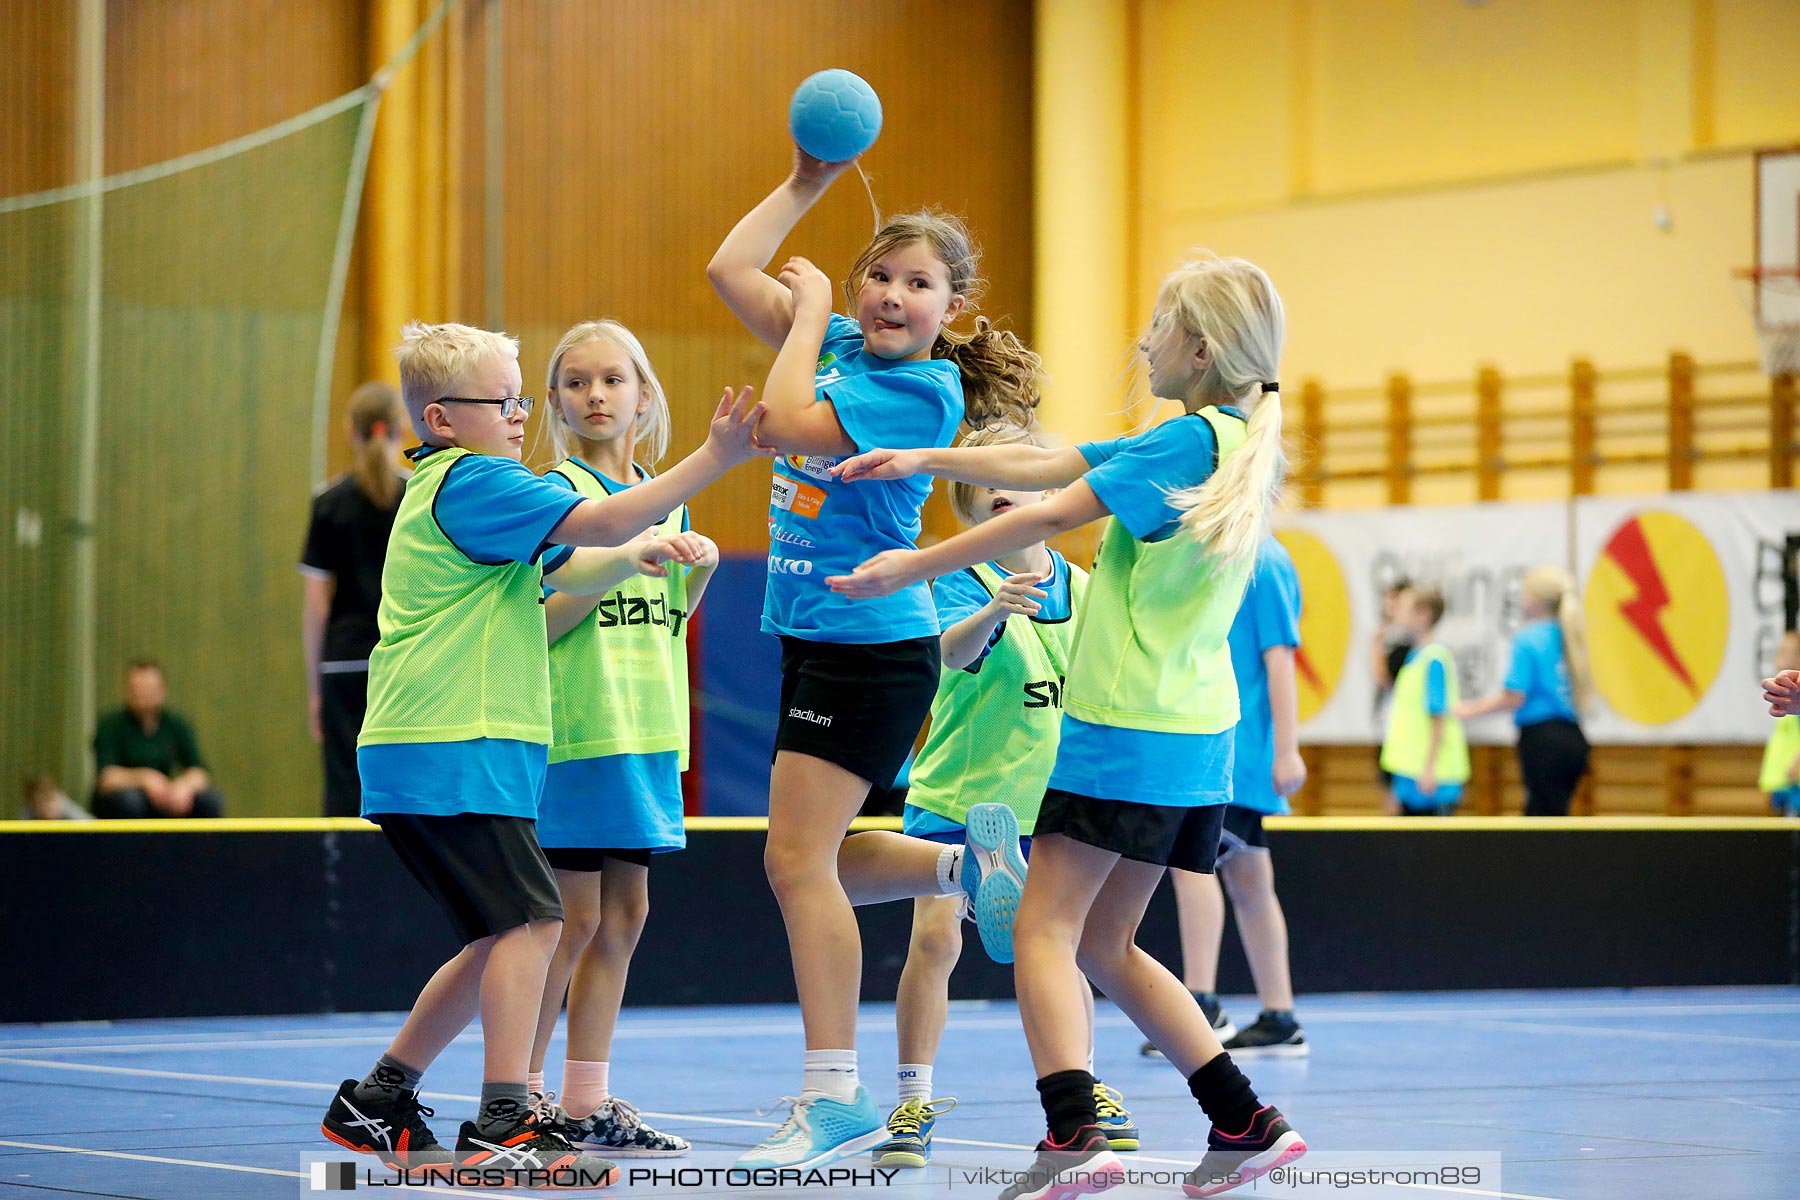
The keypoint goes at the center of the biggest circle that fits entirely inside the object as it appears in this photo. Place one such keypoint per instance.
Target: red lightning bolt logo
(1307, 671)
(1630, 550)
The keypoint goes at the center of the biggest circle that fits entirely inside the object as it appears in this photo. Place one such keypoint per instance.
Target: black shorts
(1243, 832)
(859, 707)
(1184, 838)
(567, 859)
(486, 872)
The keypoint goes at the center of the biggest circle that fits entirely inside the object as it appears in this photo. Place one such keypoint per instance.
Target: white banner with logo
(1476, 554)
(1685, 596)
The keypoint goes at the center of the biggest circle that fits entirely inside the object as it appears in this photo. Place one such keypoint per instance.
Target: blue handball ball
(835, 115)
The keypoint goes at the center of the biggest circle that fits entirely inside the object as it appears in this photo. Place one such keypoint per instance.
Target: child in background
(994, 724)
(1143, 767)
(1266, 770)
(1547, 686)
(1780, 775)
(1388, 648)
(619, 706)
(453, 750)
(857, 680)
(1425, 749)
(45, 801)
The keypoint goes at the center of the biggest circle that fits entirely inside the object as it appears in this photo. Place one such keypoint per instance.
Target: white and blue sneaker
(819, 1131)
(993, 875)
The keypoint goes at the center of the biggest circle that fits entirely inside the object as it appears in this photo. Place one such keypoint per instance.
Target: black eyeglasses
(510, 406)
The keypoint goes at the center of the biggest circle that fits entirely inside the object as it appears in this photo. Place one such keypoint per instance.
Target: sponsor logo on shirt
(1044, 693)
(807, 714)
(791, 495)
(789, 566)
(816, 465)
(778, 534)
(619, 610)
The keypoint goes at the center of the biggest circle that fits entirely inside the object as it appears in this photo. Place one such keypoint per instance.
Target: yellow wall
(1437, 184)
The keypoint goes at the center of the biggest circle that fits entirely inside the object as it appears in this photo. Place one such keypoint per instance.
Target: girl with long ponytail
(1143, 765)
(1547, 686)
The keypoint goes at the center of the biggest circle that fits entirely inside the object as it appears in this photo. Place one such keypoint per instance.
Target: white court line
(661, 1116)
(1511, 1017)
(218, 1166)
(1650, 1035)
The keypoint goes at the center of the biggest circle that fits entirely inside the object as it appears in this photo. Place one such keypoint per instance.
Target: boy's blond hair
(436, 358)
(962, 495)
(1430, 599)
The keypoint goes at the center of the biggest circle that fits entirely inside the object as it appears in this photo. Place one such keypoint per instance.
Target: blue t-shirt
(1268, 617)
(1133, 476)
(960, 595)
(495, 511)
(1538, 672)
(820, 526)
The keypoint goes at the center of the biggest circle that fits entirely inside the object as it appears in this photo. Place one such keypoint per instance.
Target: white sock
(949, 870)
(534, 1082)
(915, 1081)
(832, 1072)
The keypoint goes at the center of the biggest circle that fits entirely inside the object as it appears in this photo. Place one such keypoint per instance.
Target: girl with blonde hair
(619, 715)
(1143, 767)
(1547, 686)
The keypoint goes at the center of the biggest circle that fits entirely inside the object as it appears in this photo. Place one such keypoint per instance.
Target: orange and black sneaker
(392, 1128)
(532, 1152)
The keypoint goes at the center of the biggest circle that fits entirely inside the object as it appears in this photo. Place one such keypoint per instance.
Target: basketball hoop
(1772, 296)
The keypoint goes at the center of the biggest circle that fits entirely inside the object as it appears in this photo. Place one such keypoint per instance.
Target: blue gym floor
(1629, 1094)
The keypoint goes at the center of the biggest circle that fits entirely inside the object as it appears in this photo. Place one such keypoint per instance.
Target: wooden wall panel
(186, 74)
(639, 131)
(37, 79)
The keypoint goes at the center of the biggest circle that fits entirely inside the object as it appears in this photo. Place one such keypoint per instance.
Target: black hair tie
(1271, 387)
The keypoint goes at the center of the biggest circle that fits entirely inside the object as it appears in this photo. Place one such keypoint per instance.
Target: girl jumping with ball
(858, 679)
(1143, 768)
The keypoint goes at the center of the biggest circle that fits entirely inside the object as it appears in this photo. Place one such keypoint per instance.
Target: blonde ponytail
(1233, 307)
(1556, 591)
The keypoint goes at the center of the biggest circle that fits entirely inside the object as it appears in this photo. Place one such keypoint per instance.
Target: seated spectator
(148, 761)
(44, 801)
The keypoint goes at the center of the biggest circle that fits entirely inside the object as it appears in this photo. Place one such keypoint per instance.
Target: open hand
(878, 464)
(733, 430)
(882, 575)
(1019, 594)
(810, 172)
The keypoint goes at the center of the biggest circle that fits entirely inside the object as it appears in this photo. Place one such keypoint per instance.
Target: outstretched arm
(764, 306)
(892, 570)
(1020, 466)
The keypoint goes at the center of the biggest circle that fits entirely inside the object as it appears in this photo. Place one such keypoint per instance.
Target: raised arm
(1017, 466)
(622, 516)
(736, 271)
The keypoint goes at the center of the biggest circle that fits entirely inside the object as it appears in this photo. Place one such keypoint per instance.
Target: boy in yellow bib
(1425, 750)
(455, 744)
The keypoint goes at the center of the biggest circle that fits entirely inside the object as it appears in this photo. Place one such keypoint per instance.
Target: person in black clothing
(148, 760)
(346, 545)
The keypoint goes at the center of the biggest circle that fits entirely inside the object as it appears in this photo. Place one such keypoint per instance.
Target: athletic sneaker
(1085, 1164)
(533, 1148)
(1234, 1160)
(909, 1133)
(616, 1130)
(1269, 1037)
(1113, 1118)
(392, 1130)
(993, 875)
(820, 1130)
(1221, 1024)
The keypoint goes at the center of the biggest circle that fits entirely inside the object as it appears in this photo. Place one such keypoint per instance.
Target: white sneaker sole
(1279, 1050)
(1098, 1174)
(837, 1153)
(1288, 1147)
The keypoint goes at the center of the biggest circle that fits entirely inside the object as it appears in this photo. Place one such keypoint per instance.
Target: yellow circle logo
(1657, 614)
(1324, 619)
